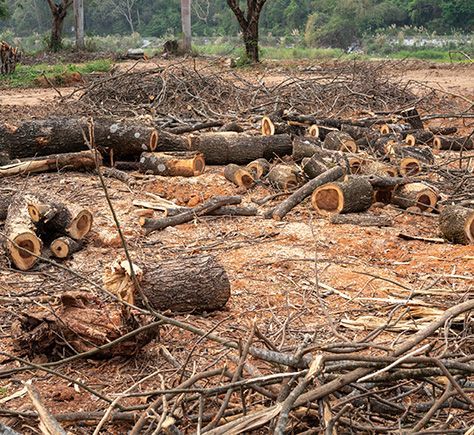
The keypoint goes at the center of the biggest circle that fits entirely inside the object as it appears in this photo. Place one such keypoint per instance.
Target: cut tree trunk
(258, 168)
(52, 218)
(305, 147)
(355, 132)
(239, 176)
(415, 195)
(281, 210)
(422, 153)
(205, 208)
(79, 161)
(457, 224)
(339, 141)
(320, 132)
(443, 131)
(394, 129)
(313, 166)
(351, 196)
(384, 144)
(43, 137)
(408, 166)
(229, 147)
(419, 137)
(22, 244)
(64, 247)
(361, 220)
(283, 177)
(184, 164)
(374, 167)
(449, 143)
(190, 284)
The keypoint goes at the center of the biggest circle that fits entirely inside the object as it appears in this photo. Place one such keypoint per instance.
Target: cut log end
(239, 176)
(24, 250)
(410, 166)
(329, 200)
(153, 140)
(313, 131)
(268, 127)
(80, 225)
(63, 247)
(457, 224)
(415, 194)
(258, 168)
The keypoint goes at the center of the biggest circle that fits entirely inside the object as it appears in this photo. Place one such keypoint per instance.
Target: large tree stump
(228, 147)
(185, 164)
(415, 195)
(339, 141)
(351, 196)
(239, 176)
(189, 284)
(457, 224)
(22, 245)
(43, 137)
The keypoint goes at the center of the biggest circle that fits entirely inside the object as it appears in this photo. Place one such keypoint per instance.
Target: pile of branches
(180, 91)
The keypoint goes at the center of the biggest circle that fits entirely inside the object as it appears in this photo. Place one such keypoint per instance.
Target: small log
(339, 141)
(409, 166)
(393, 129)
(281, 210)
(355, 163)
(355, 132)
(228, 147)
(320, 132)
(206, 207)
(412, 116)
(351, 196)
(457, 224)
(384, 144)
(258, 168)
(22, 245)
(361, 220)
(415, 194)
(419, 137)
(239, 176)
(196, 127)
(64, 247)
(305, 147)
(117, 174)
(190, 284)
(422, 153)
(232, 126)
(182, 164)
(449, 143)
(60, 162)
(374, 167)
(443, 131)
(313, 166)
(222, 211)
(127, 166)
(283, 177)
(52, 218)
(369, 140)
(270, 128)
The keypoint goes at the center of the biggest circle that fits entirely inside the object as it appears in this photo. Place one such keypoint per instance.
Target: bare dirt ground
(273, 268)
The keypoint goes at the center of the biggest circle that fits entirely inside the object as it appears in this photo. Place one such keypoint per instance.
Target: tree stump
(351, 196)
(457, 224)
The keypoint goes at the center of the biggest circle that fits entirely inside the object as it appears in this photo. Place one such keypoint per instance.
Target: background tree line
(335, 23)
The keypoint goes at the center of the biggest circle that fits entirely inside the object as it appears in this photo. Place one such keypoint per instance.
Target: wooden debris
(64, 247)
(9, 57)
(239, 176)
(305, 147)
(313, 166)
(283, 177)
(190, 284)
(339, 141)
(351, 196)
(184, 164)
(258, 168)
(450, 143)
(457, 224)
(361, 220)
(415, 194)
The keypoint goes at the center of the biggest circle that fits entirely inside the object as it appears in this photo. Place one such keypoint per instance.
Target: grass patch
(26, 76)
(430, 54)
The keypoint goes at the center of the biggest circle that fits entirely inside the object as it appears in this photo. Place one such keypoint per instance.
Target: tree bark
(415, 195)
(237, 175)
(351, 196)
(457, 224)
(283, 177)
(79, 23)
(186, 24)
(43, 137)
(313, 166)
(183, 164)
(64, 247)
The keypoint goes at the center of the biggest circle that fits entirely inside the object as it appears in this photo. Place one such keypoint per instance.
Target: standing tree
(59, 12)
(79, 23)
(186, 24)
(248, 23)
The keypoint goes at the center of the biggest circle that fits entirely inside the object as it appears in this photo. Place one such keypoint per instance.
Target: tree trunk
(415, 195)
(185, 164)
(457, 224)
(64, 247)
(186, 24)
(239, 176)
(55, 44)
(79, 23)
(250, 35)
(283, 177)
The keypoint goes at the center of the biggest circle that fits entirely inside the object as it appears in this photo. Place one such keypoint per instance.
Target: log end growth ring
(328, 200)
(24, 250)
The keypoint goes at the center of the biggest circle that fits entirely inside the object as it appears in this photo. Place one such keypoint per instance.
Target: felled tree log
(361, 220)
(419, 137)
(22, 244)
(339, 141)
(206, 207)
(190, 284)
(374, 167)
(320, 132)
(258, 168)
(60, 162)
(225, 148)
(190, 128)
(313, 166)
(443, 131)
(457, 224)
(117, 174)
(305, 147)
(237, 175)
(415, 194)
(281, 210)
(64, 247)
(79, 323)
(408, 166)
(449, 143)
(184, 164)
(412, 116)
(394, 129)
(43, 137)
(270, 128)
(351, 196)
(355, 132)
(422, 153)
(384, 144)
(5, 200)
(53, 218)
(232, 126)
(283, 177)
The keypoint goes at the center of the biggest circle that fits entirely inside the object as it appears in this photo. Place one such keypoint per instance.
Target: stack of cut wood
(32, 222)
(9, 57)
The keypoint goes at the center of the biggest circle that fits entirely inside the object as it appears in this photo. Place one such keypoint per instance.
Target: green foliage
(29, 75)
(3, 9)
